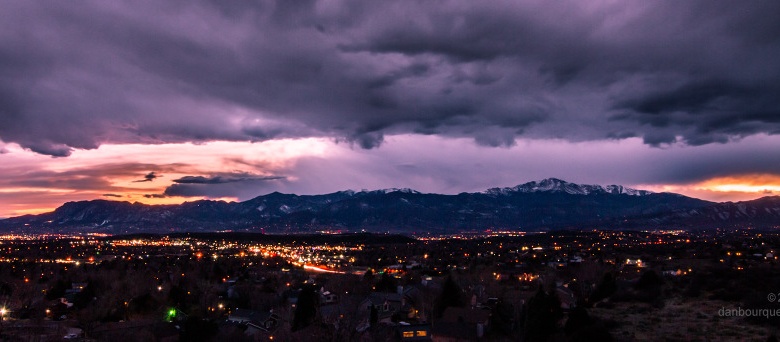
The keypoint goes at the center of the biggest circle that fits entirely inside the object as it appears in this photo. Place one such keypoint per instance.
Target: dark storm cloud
(222, 185)
(222, 179)
(716, 109)
(154, 196)
(148, 177)
(75, 77)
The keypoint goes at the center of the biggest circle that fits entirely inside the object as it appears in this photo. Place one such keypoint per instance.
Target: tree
(451, 295)
(502, 317)
(541, 316)
(649, 288)
(83, 298)
(649, 280)
(6, 290)
(197, 329)
(177, 296)
(57, 291)
(605, 288)
(386, 283)
(369, 275)
(374, 316)
(578, 319)
(306, 308)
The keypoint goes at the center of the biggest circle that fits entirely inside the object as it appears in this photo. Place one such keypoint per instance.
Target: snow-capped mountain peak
(391, 190)
(555, 185)
(619, 189)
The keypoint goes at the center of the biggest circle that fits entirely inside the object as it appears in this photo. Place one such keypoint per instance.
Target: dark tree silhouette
(374, 316)
(305, 308)
(541, 316)
(451, 295)
(83, 298)
(649, 288)
(649, 280)
(502, 317)
(605, 288)
(196, 329)
(57, 291)
(177, 296)
(386, 283)
(6, 290)
(578, 319)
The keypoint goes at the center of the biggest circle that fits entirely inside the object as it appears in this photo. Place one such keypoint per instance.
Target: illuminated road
(320, 269)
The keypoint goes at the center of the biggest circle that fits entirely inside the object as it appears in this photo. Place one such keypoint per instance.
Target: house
(475, 320)
(330, 313)
(386, 304)
(567, 297)
(241, 315)
(264, 324)
(557, 263)
(257, 322)
(413, 332)
(327, 297)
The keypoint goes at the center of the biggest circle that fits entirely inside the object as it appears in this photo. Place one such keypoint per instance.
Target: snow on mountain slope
(554, 185)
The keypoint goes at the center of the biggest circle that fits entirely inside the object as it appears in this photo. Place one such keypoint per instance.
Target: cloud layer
(694, 72)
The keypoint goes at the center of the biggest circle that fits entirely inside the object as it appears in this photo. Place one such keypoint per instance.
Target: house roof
(379, 298)
(250, 315)
(242, 313)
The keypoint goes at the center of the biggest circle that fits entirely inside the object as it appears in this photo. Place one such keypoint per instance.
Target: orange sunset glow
(760, 183)
(731, 188)
(116, 172)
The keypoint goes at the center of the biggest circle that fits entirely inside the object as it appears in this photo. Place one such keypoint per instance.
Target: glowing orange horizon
(106, 176)
(729, 188)
(755, 183)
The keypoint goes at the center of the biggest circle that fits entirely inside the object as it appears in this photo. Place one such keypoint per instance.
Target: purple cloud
(76, 77)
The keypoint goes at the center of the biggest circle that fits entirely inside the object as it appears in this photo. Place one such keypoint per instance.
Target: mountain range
(540, 205)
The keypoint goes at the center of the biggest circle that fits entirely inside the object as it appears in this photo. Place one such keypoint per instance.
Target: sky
(165, 102)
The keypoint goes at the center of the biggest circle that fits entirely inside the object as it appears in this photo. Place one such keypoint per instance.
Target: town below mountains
(550, 204)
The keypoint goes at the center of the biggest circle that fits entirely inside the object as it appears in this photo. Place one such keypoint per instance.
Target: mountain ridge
(547, 204)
